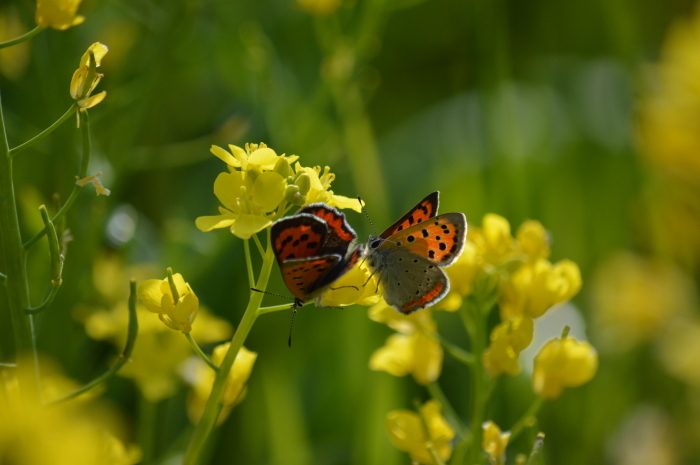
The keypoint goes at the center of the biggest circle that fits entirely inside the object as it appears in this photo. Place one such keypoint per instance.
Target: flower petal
(207, 223)
(340, 201)
(247, 225)
(227, 189)
(92, 101)
(268, 189)
(265, 158)
(150, 294)
(224, 156)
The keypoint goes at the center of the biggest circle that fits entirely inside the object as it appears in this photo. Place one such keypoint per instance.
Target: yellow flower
(86, 77)
(533, 240)
(461, 273)
(535, 287)
(95, 180)
(415, 350)
(256, 157)
(320, 188)
(634, 299)
(158, 352)
(201, 377)
(177, 312)
(494, 442)
(494, 243)
(68, 433)
(58, 14)
(353, 288)
(407, 432)
(508, 339)
(319, 7)
(563, 363)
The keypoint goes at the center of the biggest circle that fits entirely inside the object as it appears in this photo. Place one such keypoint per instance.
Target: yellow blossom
(158, 351)
(177, 312)
(95, 180)
(635, 299)
(320, 188)
(86, 77)
(535, 287)
(356, 287)
(58, 14)
(461, 273)
(257, 157)
(508, 339)
(563, 363)
(201, 377)
(407, 432)
(494, 242)
(533, 240)
(494, 442)
(415, 350)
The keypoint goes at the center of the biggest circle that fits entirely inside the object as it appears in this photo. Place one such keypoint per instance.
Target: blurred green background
(526, 109)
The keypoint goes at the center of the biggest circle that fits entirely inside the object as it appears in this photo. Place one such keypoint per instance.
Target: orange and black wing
(302, 275)
(298, 237)
(426, 208)
(340, 234)
(339, 269)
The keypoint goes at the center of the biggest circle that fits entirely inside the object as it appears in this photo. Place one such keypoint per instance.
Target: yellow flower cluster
(260, 186)
(176, 304)
(417, 433)
(494, 442)
(86, 77)
(72, 433)
(201, 377)
(413, 350)
(560, 363)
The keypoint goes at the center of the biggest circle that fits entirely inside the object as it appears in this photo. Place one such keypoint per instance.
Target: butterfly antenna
(291, 325)
(272, 293)
(362, 204)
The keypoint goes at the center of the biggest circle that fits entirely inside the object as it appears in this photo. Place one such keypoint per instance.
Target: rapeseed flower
(356, 287)
(172, 299)
(58, 14)
(86, 77)
(560, 363)
(494, 442)
(201, 378)
(416, 432)
(508, 339)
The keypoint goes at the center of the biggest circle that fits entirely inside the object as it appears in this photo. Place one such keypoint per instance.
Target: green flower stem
(173, 287)
(455, 351)
(526, 418)
(261, 249)
(274, 308)
(475, 323)
(85, 161)
(249, 263)
(22, 38)
(213, 405)
(199, 352)
(536, 449)
(125, 355)
(16, 283)
(56, 263)
(438, 395)
(45, 132)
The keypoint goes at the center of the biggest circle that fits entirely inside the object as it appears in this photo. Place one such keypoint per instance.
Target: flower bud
(299, 199)
(304, 183)
(282, 167)
(291, 193)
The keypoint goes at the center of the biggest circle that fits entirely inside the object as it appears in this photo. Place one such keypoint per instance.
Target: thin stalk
(249, 263)
(85, 161)
(274, 308)
(433, 454)
(455, 351)
(213, 405)
(261, 249)
(437, 394)
(16, 283)
(200, 353)
(123, 358)
(526, 418)
(22, 38)
(56, 263)
(476, 327)
(55, 286)
(45, 132)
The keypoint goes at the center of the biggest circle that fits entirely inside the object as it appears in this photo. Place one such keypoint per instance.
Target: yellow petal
(340, 201)
(186, 309)
(268, 189)
(98, 51)
(265, 158)
(150, 294)
(76, 83)
(247, 225)
(396, 357)
(427, 359)
(92, 101)
(227, 188)
(58, 14)
(207, 223)
(240, 154)
(224, 156)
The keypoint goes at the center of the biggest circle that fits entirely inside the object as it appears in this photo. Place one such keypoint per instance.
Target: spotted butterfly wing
(340, 234)
(439, 239)
(426, 208)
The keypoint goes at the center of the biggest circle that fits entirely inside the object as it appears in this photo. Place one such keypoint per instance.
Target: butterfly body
(314, 248)
(409, 256)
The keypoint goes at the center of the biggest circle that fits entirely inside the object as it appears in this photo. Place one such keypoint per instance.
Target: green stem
(85, 161)
(125, 355)
(437, 394)
(455, 351)
(213, 405)
(200, 353)
(261, 249)
(173, 287)
(249, 263)
(536, 449)
(56, 263)
(14, 257)
(274, 308)
(22, 38)
(526, 418)
(45, 132)
(55, 286)
(475, 323)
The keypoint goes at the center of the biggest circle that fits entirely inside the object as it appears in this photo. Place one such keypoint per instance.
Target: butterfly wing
(302, 275)
(340, 234)
(439, 239)
(298, 237)
(410, 282)
(426, 208)
(339, 269)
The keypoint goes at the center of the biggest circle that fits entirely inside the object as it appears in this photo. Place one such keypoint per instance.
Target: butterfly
(409, 256)
(313, 249)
